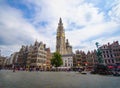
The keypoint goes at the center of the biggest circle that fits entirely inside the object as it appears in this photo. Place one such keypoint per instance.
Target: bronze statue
(99, 53)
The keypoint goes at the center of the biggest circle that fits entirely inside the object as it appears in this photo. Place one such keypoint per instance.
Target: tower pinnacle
(60, 21)
(62, 46)
(60, 39)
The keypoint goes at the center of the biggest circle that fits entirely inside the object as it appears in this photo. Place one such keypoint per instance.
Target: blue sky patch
(20, 5)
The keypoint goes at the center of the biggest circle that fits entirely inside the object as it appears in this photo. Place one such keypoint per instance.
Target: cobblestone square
(23, 79)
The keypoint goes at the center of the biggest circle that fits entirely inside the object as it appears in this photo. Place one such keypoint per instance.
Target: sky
(86, 22)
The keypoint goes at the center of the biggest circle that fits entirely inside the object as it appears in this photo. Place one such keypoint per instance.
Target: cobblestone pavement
(21, 79)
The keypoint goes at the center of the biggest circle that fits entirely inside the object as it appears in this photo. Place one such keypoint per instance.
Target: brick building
(111, 53)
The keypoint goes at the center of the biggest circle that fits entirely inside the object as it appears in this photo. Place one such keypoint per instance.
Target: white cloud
(15, 30)
(115, 12)
(9, 49)
(75, 11)
(91, 31)
(82, 21)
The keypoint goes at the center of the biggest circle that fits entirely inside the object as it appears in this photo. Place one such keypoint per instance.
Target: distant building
(111, 53)
(63, 47)
(22, 56)
(91, 58)
(80, 58)
(67, 60)
(15, 58)
(7, 62)
(12, 60)
(48, 58)
(37, 55)
(2, 60)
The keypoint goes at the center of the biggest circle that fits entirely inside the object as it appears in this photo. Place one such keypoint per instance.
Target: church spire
(60, 21)
(67, 42)
(60, 39)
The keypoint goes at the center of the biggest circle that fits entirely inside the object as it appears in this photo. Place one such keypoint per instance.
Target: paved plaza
(22, 79)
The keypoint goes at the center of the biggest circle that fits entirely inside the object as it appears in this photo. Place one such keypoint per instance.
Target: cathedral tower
(60, 39)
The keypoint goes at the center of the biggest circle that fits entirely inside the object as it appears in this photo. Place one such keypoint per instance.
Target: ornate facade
(2, 60)
(22, 56)
(79, 58)
(111, 53)
(62, 46)
(82, 59)
(67, 60)
(48, 57)
(37, 55)
(91, 58)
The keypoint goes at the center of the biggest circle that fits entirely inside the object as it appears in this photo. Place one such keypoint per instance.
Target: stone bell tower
(60, 39)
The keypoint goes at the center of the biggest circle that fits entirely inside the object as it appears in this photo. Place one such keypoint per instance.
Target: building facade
(91, 58)
(13, 58)
(2, 61)
(48, 58)
(111, 53)
(22, 56)
(63, 46)
(67, 60)
(37, 55)
(80, 58)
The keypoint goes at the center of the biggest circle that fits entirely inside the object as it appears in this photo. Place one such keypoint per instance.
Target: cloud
(85, 22)
(15, 30)
(114, 13)
(91, 32)
(9, 49)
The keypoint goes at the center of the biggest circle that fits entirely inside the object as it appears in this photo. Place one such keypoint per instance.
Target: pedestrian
(13, 67)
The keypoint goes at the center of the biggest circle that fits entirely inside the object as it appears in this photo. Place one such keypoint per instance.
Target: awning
(118, 67)
(110, 67)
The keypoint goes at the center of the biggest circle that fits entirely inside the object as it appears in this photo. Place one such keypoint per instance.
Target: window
(111, 55)
(105, 61)
(106, 51)
(117, 54)
(103, 51)
(33, 60)
(65, 64)
(104, 47)
(104, 56)
(112, 61)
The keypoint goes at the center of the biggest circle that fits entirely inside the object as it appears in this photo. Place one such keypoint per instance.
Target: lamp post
(0, 53)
